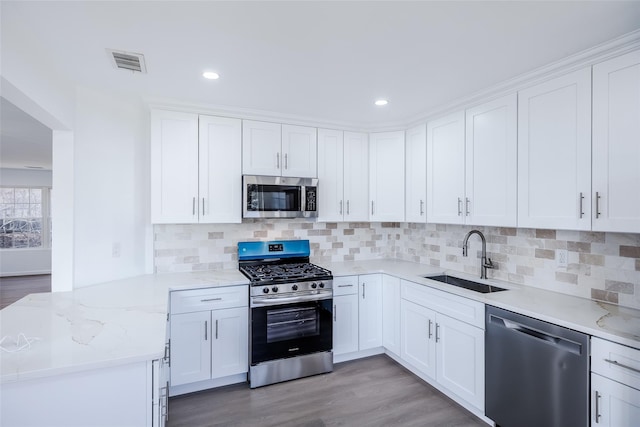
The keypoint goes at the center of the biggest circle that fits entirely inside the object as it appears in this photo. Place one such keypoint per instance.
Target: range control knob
(294, 287)
(321, 284)
(265, 290)
(274, 289)
(314, 285)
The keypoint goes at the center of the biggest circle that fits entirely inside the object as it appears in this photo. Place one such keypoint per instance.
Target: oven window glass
(273, 198)
(292, 323)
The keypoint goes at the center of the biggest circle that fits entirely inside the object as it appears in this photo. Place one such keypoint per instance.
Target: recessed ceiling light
(210, 75)
(381, 102)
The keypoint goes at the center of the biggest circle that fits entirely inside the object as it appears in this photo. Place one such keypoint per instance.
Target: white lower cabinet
(449, 351)
(370, 311)
(209, 344)
(345, 315)
(418, 342)
(391, 313)
(615, 384)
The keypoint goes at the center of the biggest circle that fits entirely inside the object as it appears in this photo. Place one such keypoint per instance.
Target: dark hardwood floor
(14, 288)
(375, 391)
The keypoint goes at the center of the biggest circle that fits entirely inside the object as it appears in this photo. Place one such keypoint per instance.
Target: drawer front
(463, 309)
(615, 361)
(209, 299)
(346, 285)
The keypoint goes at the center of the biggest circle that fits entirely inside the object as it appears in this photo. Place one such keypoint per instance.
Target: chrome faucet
(485, 262)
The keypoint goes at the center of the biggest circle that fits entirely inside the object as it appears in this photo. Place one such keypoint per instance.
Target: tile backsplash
(601, 266)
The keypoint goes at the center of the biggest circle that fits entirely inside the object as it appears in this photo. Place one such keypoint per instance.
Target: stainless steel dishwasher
(536, 373)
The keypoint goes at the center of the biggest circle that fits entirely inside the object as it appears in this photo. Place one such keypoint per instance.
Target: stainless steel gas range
(291, 309)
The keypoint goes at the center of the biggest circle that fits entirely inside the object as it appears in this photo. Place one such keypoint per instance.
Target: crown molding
(599, 53)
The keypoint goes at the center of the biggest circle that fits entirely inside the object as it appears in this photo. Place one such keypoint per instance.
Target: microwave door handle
(303, 198)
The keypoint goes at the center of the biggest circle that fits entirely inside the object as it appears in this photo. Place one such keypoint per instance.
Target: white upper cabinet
(278, 150)
(330, 175)
(386, 180)
(261, 148)
(554, 153)
(220, 169)
(616, 144)
(491, 163)
(299, 151)
(174, 171)
(416, 174)
(356, 177)
(445, 169)
(195, 168)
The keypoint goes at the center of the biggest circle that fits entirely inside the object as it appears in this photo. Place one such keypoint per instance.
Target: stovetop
(260, 274)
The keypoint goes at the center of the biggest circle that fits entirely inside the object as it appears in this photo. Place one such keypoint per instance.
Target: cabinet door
(190, 347)
(460, 359)
(174, 167)
(616, 144)
(554, 153)
(370, 311)
(418, 340)
(330, 175)
(220, 170)
(416, 174)
(391, 313)
(356, 176)
(299, 151)
(613, 404)
(445, 169)
(229, 341)
(345, 324)
(261, 143)
(491, 163)
(386, 177)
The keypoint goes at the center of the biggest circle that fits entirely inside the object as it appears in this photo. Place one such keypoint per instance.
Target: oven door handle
(263, 302)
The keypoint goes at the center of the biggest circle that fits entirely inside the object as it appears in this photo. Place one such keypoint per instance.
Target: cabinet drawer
(346, 285)
(209, 299)
(460, 308)
(615, 361)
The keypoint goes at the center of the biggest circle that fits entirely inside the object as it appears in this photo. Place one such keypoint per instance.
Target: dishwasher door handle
(510, 325)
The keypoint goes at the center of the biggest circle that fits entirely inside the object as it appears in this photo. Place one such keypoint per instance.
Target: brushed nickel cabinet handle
(277, 160)
(335, 313)
(363, 287)
(581, 200)
(598, 205)
(203, 206)
(421, 207)
(211, 299)
(347, 207)
(372, 207)
(437, 334)
(216, 328)
(345, 286)
(466, 206)
(206, 330)
(459, 206)
(430, 334)
(622, 365)
(286, 161)
(193, 207)
(597, 414)
(340, 207)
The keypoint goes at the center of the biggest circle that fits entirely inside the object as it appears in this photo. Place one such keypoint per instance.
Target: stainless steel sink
(467, 284)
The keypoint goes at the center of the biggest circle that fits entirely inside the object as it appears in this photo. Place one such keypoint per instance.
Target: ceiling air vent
(128, 60)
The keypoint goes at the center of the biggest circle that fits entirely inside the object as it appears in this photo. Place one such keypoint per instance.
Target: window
(24, 217)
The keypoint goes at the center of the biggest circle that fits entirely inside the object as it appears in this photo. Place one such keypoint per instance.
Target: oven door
(287, 330)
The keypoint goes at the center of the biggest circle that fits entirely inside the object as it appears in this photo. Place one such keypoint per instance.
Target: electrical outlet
(562, 258)
(115, 250)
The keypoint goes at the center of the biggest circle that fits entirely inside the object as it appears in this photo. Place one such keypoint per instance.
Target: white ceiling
(24, 141)
(321, 60)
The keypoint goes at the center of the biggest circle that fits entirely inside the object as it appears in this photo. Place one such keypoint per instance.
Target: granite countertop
(109, 324)
(125, 321)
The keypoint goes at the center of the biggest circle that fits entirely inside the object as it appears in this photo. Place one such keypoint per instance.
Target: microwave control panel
(310, 198)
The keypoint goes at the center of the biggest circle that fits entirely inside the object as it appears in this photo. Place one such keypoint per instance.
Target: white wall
(18, 262)
(111, 193)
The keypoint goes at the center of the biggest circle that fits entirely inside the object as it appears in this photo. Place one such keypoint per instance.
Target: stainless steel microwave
(279, 197)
